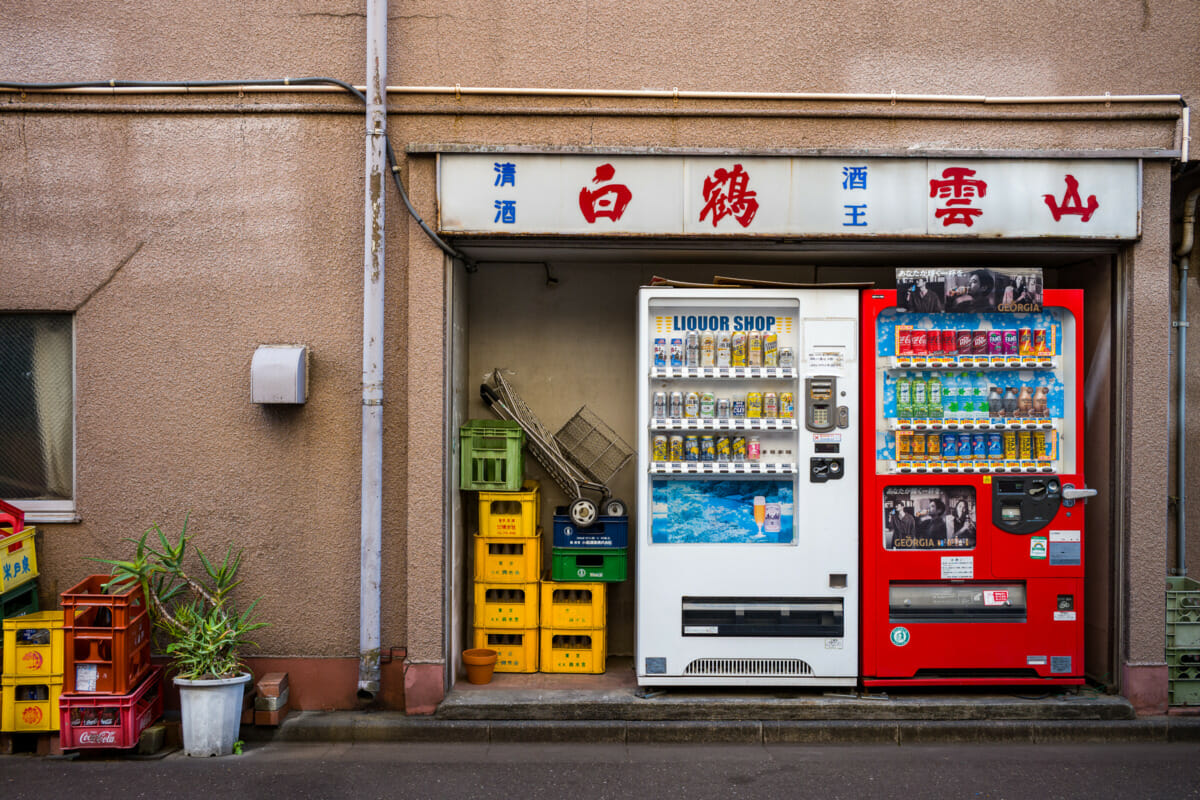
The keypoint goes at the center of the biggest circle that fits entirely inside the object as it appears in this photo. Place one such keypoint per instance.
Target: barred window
(37, 414)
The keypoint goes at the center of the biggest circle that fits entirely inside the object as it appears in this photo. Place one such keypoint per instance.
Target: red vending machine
(972, 567)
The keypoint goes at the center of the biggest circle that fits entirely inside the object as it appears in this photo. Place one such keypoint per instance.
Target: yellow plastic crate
(506, 605)
(33, 644)
(17, 559)
(573, 605)
(30, 704)
(573, 650)
(510, 513)
(516, 650)
(503, 559)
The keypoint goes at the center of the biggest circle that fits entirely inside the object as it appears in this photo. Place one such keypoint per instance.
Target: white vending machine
(748, 459)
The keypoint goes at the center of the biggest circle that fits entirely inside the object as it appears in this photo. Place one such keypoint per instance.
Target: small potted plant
(204, 632)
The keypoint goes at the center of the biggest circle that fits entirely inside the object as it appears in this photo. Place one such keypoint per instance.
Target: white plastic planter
(211, 713)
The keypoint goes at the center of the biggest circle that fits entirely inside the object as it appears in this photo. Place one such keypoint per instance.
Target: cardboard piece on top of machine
(724, 282)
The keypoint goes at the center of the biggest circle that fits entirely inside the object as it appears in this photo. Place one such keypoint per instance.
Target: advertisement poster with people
(929, 517)
(965, 291)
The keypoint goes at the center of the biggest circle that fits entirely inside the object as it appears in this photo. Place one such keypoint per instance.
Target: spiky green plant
(205, 634)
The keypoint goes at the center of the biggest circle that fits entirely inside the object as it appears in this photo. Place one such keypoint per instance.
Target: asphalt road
(584, 772)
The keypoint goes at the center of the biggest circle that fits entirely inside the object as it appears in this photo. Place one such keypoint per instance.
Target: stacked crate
(110, 691)
(32, 671)
(574, 629)
(508, 562)
(1183, 641)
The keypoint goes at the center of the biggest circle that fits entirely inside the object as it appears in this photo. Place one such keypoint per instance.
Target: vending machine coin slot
(820, 415)
(1024, 505)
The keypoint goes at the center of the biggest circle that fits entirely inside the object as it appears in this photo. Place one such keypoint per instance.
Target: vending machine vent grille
(739, 667)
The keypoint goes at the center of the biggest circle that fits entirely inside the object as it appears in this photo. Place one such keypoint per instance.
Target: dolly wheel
(583, 512)
(614, 508)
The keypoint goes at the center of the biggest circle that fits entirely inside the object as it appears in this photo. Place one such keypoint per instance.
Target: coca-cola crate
(106, 659)
(110, 720)
(89, 606)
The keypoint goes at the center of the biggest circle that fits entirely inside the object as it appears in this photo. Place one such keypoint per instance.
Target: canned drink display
(1039, 446)
(979, 343)
(785, 357)
(724, 351)
(995, 343)
(904, 343)
(660, 405)
(723, 408)
(920, 397)
(964, 446)
(918, 446)
(677, 352)
(771, 405)
(753, 448)
(920, 342)
(691, 349)
(1038, 342)
(754, 349)
(1024, 445)
(754, 405)
(724, 449)
(691, 405)
(675, 450)
(1025, 342)
(708, 449)
(737, 448)
(1010, 445)
(737, 407)
(933, 343)
(995, 445)
(708, 405)
(787, 405)
(675, 405)
(933, 445)
(904, 445)
(979, 445)
(963, 343)
(933, 398)
(660, 448)
(904, 397)
(949, 343)
(949, 446)
(708, 349)
(691, 448)
(770, 345)
(1011, 346)
(660, 352)
(737, 349)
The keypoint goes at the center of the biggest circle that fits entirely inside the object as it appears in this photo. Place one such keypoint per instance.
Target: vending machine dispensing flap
(957, 602)
(1025, 504)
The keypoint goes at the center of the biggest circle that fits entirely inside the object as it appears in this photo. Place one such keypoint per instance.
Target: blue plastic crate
(606, 532)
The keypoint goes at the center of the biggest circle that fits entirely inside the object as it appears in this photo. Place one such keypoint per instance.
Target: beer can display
(691, 349)
(737, 349)
(708, 449)
(723, 408)
(724, 448)
(1010, 445)
(660, 448)
(660, 405)
(949, 446)
(691, 448)
(660, 352)
(675, 449)
(691, 405)
(770, 405)
(677, 352)
(786, 359)
(1024, 445)
(737, 448)
(787, 405)
(754, 405)
(675, 405)
(708, 405)
(770, 345)
(708, 349)
(737, 408)
(754, 350)
(753, 448)
(724, 350)
(904, 445)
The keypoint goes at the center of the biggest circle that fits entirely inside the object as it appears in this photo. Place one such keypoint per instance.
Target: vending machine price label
(958, 568)
(833, 359)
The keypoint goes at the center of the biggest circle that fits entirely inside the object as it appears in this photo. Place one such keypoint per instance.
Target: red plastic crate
(110, 720)
(87, 605)
(106, 660)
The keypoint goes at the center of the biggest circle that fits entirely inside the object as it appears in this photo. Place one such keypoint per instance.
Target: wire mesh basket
(593, 445)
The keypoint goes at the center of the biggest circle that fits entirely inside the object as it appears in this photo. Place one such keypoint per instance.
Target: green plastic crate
(1183, 613)
(490, 454)
(1183, 685)
(608, 564)
(19, 601)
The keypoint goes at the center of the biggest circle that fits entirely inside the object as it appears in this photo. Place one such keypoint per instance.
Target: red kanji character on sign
(726, 193)
(607, 201)
(1071, 203)
(958, 189)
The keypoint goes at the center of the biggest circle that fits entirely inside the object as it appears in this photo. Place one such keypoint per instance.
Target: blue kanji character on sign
(506, 173)
(8, 572)
(854, 177)
(506, 211)
(25, 563)
(856, 213)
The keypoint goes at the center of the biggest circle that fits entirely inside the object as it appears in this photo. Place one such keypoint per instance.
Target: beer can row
(706, 405)
(706, 448)
(1021, 342)
(708, 349)
(992, 446)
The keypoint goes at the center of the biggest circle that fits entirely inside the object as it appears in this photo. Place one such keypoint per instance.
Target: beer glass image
(760, 512)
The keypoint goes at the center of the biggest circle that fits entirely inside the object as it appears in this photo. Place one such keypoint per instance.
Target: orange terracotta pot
(479, 663)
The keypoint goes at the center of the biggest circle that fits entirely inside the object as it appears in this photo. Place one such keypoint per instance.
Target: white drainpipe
(371, 538)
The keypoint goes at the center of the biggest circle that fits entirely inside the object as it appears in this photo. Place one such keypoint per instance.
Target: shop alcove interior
(560, 317)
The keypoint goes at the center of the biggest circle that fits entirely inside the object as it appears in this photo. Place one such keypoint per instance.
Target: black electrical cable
(311, 81)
